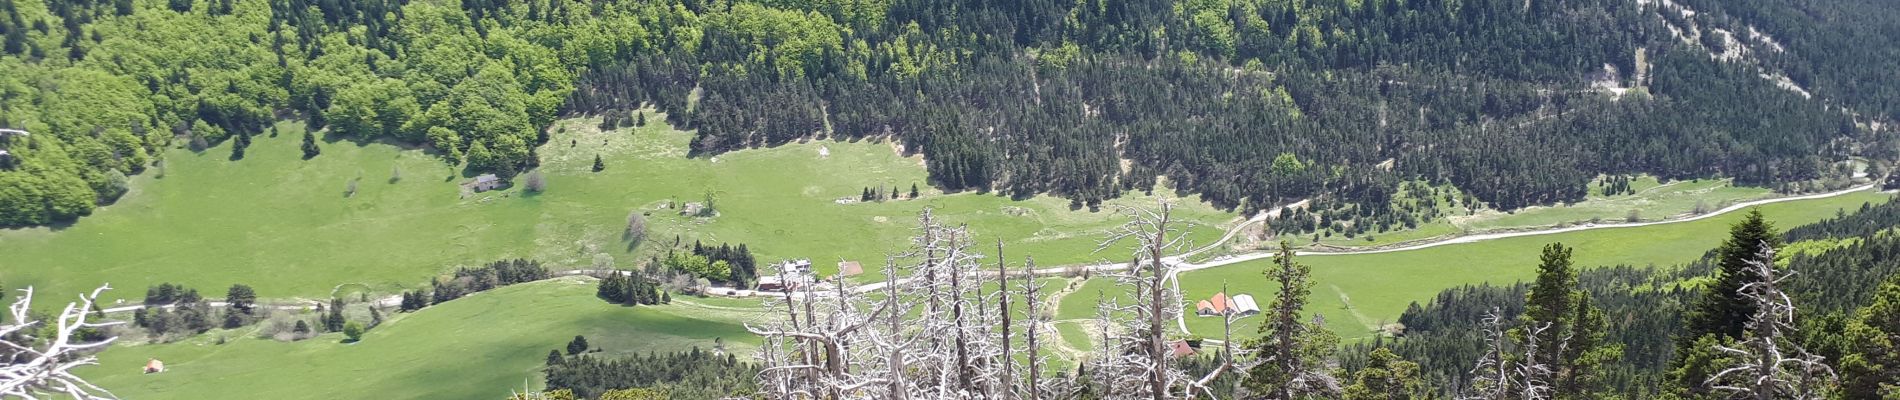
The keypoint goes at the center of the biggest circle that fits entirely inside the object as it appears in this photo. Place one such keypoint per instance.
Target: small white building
(797, 267)
(486, 182)
(790, 274)
(1245, 306)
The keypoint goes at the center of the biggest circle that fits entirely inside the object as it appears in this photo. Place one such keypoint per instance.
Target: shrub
(352, 332)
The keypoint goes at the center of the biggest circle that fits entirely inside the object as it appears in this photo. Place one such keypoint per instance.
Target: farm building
(486, 182)
(154, 366)
(772, 283)
(1180, 348)
(1245, 306)
(1218, 305)
(792, 274)
(799, 267)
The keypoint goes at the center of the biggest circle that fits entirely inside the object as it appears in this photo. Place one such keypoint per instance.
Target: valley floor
(372, 219)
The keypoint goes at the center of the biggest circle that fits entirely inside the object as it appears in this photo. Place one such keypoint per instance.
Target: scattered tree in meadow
(238, 145)
(310, 149)
(412, 301)
(334, 320)
(598, 165)
(232, 319)
(636, 227)
(352, 332)
(577, 346)
(535, 182)
(241, 298)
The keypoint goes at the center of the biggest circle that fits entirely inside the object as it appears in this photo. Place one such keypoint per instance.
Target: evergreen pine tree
(598, 165)
(242, 141)
(1297, 350)
(1572, 347)
(1871, 367)
(334, 322)
(1386, 376)
(1721, 310)
(310, 149)
(1722, 313)
(577, 346)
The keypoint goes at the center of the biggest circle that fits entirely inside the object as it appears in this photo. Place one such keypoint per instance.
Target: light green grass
(283, 225)
(1653, 200)
(1357, 293)
(478, 347)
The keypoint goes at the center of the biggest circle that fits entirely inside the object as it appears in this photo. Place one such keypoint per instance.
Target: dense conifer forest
(1250, 103)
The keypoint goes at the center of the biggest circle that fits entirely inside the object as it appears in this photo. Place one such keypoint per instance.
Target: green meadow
(1653, 201)
(477, 347)
(289, 227)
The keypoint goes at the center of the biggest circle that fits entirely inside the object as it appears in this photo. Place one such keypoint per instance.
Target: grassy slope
(1356, 293)
(477, 347)
(284, 226)
(1654, 200)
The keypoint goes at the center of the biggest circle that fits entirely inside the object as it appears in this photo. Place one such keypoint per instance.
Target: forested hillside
(1250, 103)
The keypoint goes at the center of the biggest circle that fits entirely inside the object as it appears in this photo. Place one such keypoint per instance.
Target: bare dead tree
(1491, 378)
(1037, 322)
(1002, 290)
(932, 334)
(1148, 355)
(41, 358)
(1766, 364)
(1533, 375)
(811, 358)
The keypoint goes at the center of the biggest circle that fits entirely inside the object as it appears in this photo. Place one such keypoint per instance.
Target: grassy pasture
(285, 226)
(1653, 200)
(478, 347)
